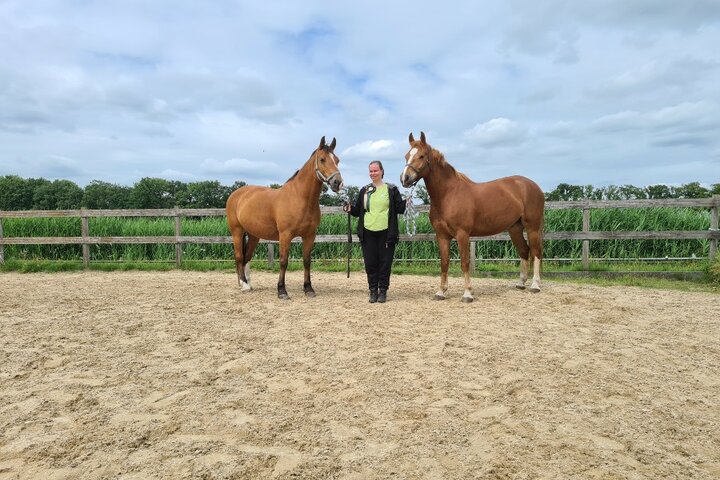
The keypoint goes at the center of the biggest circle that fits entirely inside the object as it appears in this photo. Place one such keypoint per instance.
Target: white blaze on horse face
(412, 153)
(334, 159)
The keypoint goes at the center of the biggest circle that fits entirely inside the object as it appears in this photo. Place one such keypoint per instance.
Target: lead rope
(410, 214)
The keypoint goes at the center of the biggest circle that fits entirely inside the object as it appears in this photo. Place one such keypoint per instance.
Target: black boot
(373, 296)
(382, 296)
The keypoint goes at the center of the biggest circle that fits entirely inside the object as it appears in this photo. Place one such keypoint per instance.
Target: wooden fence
(586, 235)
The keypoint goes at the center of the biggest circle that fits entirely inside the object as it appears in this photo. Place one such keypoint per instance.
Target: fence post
(2, 246)
(473, 244)
(178, 245)
(586, 243)
(85, 233)
(271, 254)
(713, 226)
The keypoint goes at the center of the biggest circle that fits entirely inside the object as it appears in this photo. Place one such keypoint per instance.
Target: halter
(417, 172)
(320, 176)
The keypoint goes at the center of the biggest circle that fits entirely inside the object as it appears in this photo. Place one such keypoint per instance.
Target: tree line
(18, 193)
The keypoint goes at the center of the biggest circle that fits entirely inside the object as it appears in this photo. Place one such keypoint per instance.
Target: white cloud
(369, 149)
(497, 132)
(142, 89)
(239, 166)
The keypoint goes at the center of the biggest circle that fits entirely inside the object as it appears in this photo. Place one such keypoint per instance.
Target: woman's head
(376, 170)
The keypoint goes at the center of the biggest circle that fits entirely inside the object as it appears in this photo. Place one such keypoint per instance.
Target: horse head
(417, 161)
(326, 165)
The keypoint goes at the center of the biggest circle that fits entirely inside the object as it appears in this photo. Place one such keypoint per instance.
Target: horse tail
(244, 247)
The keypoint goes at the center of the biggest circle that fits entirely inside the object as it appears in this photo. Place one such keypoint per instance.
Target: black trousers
(378, 255)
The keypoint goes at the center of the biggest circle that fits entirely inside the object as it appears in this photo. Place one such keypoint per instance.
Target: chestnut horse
(461, 208)
(282, 214)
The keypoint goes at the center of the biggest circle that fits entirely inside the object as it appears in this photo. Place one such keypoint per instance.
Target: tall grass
(650, 219)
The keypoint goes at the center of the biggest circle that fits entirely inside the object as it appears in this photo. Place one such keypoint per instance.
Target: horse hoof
(520, 287)
(467, 299)
(439, 297)
(310, 294)
(283, 296)
(535, 289)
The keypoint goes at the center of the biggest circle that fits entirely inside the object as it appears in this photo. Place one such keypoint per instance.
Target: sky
(601, 92)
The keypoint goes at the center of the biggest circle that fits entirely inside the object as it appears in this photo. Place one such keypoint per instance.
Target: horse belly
(257, 221)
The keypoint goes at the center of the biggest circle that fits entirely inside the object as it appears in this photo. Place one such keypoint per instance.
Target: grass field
(652, 219)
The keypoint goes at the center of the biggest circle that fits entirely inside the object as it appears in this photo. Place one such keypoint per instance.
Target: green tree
(57, 195)
(328, 198)
(422, 193)
(659, 191)
(153, 193)
(16, 193)
(104, 195)
(205, 194)
(715, 189)
(631, 192)
(565, 191)
(692, 190)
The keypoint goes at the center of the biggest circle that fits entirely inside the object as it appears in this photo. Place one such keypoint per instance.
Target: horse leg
(252, 242)
(308, 243)
(443, 242)
(285, 240)
(463, 240)
(535, 238)
(238, 237)
(516, 235)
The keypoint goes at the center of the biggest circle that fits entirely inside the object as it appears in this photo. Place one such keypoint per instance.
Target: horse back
(265, 212)
(489, 208)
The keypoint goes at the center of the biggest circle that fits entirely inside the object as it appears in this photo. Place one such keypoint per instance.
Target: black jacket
(397, 206)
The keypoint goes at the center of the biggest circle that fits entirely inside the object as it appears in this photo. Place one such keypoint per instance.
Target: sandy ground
(180, 375)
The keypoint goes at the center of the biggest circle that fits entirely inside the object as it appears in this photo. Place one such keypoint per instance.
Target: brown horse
(282, 214)
(461, 208)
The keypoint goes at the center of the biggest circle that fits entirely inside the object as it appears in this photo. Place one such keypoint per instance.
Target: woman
(377, 206)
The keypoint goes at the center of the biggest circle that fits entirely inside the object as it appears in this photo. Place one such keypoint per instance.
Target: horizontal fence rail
(586, 235)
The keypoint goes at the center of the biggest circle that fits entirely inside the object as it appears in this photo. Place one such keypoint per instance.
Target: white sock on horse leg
(523, 273)
(535, 287)
(247, 274)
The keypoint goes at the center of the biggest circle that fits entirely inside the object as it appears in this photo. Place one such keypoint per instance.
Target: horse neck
(443, 178)
(306, 182)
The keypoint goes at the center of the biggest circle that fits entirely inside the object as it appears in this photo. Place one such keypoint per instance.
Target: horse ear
(322, 142)
(332, 145)
(411, 138)
(422, 138)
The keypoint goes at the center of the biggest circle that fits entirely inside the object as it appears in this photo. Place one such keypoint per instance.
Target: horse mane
(293, 176)
(440, 159)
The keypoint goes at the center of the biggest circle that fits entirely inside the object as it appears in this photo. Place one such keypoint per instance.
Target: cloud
(238, 166)
(370, 149)
(497, 132)
(688, 123)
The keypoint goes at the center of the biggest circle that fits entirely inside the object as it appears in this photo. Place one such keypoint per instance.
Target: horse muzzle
(408, 179)
(335, 183)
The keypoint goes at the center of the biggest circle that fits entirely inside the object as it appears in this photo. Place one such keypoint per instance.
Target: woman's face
(375, 172)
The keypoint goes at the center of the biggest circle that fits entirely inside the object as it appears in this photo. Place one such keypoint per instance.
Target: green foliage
(57, 195)
(105, 196)
(633, 219)
(38, 193)
(566, 191)
(712, 273)
(207, 194)
(16, 193)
